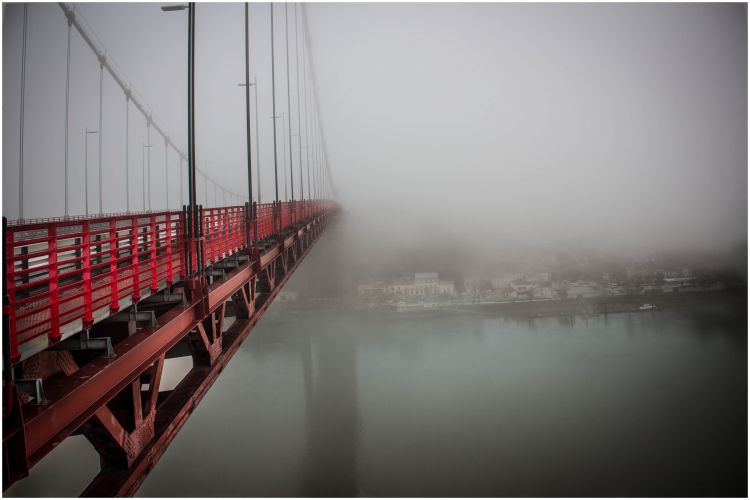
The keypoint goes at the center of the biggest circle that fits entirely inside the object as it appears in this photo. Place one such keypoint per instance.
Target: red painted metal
(126, 483)
(63, 272)
(67, 274)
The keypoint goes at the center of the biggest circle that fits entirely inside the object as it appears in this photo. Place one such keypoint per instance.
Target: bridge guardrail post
(186, 234)
(170, 276)
(254, 215)
(10, 346)
(153, 240)
(114, 305)
(247, 222)
(88, 313)
(134, 259)
(54, 303)
(201, 243)
(274, 207)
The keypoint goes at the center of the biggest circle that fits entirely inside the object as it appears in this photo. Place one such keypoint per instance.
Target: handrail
(63, 274)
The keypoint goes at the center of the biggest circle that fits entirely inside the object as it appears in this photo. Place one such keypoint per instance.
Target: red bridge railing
(62, 275)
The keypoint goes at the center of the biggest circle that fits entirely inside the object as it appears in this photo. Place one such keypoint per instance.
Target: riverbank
(731, 299)
(594, 306)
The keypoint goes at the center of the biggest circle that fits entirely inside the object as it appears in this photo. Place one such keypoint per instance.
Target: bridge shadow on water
(332, 416)
(329, 367)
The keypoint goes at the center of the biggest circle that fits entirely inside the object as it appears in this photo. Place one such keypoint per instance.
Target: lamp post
(273, 112)
(86, 168)
(257, 141)
(247, 106)
(299, 112)
(191, 94)
(254, 85)
(192, 205)
(288, 107)
(283, 150)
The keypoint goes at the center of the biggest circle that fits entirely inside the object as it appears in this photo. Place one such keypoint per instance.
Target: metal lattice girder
(83, 399)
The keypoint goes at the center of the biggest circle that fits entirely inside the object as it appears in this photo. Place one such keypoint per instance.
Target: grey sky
(623, 125)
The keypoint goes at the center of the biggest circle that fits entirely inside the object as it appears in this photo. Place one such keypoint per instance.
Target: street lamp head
(172, 8)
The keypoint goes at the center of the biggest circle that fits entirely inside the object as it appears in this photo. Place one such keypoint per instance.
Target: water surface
(457, 404)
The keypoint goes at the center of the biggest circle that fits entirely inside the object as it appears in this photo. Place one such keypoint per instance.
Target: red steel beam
(75, 399)
(126, 483)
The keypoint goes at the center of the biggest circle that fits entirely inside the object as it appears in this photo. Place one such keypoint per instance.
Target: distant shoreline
(595, 306)
(734, 299)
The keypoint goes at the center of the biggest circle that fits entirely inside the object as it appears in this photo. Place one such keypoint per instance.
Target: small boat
(646, 307)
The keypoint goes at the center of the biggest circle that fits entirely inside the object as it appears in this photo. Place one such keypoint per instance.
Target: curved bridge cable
(306, 33)
(78, 21)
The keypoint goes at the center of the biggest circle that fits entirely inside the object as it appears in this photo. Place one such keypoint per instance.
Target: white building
(423, 285)
(372, 290)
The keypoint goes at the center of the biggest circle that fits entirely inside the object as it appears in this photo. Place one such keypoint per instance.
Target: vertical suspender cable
(166, 174)
(315, 151)
(273, 101)
(299, 114)
(257, 140)
(289, 103)
(315, 148)
(314, 91)
(283, 152)
(313, 142)
(247, 108)
(307, 121)
(119, 80)
(86, 173)
(23, 102)
(182, 180)
(191, 83)
(127, 163)
(311, 147)
(148, 160)
(101, 131)
(143, 174)
(67, 106)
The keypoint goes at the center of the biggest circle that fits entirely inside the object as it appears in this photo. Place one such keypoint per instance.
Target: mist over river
(452, 404)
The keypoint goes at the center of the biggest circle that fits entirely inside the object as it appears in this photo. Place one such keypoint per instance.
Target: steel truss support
(115, 402)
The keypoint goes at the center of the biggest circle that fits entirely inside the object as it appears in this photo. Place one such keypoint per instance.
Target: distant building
(532, 277)
(372, 290)
(583, 289)
(522, 290)
(287, 296)
(425, 278)
(545, 292)
(423, 285)
(644, 271)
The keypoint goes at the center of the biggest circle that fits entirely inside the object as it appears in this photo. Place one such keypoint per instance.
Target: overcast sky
(623, 125)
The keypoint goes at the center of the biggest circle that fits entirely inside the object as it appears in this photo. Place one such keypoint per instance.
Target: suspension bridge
(94, 303)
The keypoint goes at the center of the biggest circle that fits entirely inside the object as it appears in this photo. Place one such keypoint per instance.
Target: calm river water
(456, 404)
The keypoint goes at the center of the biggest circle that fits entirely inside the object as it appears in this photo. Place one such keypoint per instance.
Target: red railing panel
(63, 271)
